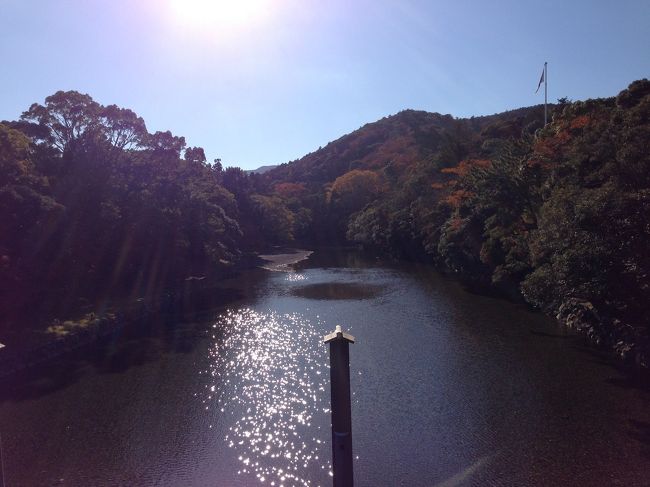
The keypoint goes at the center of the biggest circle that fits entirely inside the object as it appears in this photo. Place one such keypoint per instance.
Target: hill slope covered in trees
(97, 208)
(559, 214)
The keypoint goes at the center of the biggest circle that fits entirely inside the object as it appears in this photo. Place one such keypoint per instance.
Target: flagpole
(545, 94)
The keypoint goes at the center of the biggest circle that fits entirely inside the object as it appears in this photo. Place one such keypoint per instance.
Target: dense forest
(96, 207)
(558, 215)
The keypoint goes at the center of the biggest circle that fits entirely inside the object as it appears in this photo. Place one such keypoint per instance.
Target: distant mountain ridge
(261, 169)
(402, 140)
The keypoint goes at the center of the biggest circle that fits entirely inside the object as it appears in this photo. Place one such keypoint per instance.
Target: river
(449, 388)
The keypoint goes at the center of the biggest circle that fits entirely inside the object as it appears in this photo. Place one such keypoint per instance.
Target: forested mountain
(95, 206)
(261, 169)
(559, 214)
(397, 157)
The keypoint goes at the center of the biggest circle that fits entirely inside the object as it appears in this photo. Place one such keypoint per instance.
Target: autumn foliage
(554, 214)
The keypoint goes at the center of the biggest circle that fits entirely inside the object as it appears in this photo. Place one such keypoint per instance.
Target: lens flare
(217, 17)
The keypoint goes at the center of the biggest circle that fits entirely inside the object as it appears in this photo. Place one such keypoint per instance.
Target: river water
(449, 389)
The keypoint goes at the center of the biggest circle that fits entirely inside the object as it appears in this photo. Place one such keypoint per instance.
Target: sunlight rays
(217, 19)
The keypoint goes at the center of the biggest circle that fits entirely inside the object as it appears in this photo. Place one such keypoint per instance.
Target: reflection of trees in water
(331, 290)
(175, 329)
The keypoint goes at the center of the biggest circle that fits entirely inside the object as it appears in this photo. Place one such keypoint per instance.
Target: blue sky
(273, 83)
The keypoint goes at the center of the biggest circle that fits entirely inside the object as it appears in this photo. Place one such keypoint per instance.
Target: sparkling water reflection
(268, 380)
(452, 388)
(295, 277)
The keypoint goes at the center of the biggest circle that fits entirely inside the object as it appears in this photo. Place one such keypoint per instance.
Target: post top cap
(338, 334)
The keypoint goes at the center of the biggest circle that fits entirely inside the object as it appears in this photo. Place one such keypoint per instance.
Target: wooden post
(341, 407)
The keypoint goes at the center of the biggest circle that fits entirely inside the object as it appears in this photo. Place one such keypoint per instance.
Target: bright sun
(217, 16)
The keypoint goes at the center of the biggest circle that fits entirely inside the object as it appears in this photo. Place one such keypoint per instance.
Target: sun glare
(217, 17)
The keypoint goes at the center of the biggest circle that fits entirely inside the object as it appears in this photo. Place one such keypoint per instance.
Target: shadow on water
(338, 258)
(114, 354)
(632, 378)
(40, 381)
(335, 291)
(466, 376)
(177, 328)
(640, 431)
(625, 376)
(550, 335)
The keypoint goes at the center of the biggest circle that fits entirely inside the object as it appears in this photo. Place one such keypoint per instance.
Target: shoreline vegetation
(557, 216)
(56, 337)
(99, 210)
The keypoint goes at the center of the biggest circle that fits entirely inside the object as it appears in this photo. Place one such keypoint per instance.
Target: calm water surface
(450, 389)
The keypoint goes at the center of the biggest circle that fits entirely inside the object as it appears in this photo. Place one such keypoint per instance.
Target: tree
(274, 218)
(122, 128)
(67, 116)
(164, 143)
(27, 211)
(195, 155)
(290, 190)
(235, 180)
(356, 188)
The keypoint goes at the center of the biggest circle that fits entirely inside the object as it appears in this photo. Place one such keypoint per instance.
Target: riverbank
(482, 384)
(629, 344)
(59, 339)
(626, 343)
(53, 337)
(284, 261)
(60, 336)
